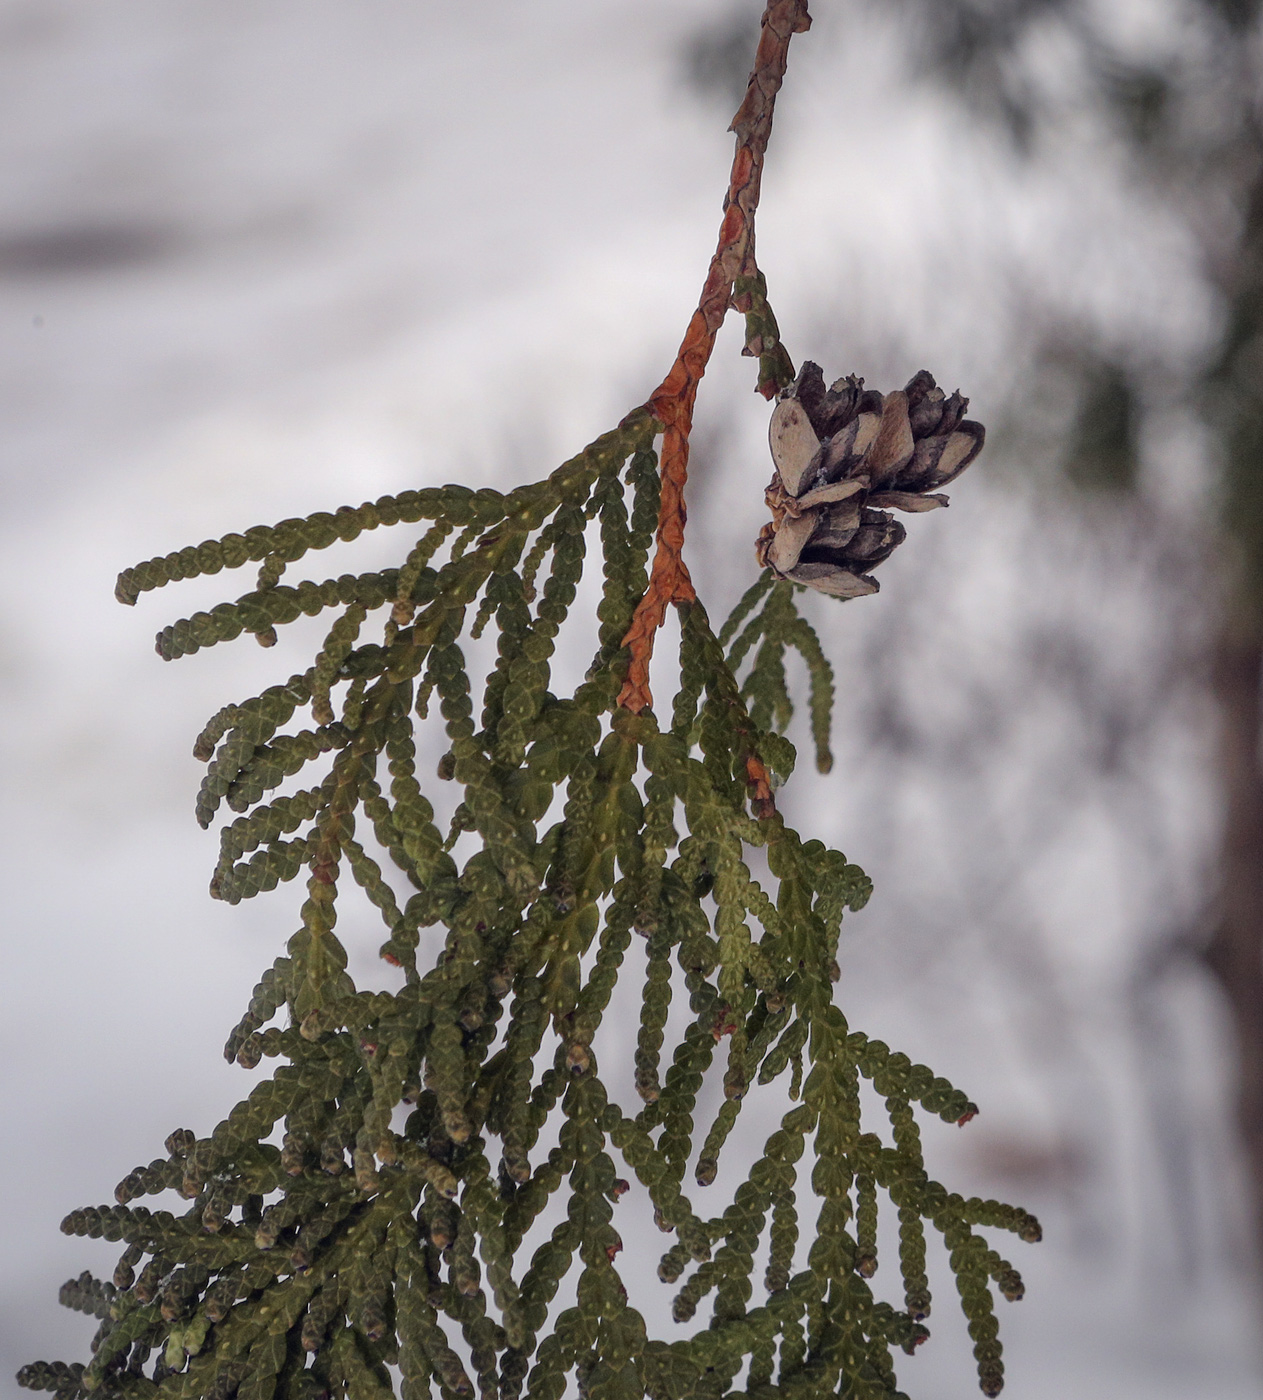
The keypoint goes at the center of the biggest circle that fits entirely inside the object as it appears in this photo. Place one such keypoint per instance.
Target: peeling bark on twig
(672, 402)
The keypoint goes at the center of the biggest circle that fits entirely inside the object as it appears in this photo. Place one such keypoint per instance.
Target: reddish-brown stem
(672, 402)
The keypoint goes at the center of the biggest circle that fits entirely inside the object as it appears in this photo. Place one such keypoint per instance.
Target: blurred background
(257, 260)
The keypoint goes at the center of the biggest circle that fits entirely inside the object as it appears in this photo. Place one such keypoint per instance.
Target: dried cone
(845, 457)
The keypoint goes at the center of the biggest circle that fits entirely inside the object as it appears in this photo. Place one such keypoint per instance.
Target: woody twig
(733, 279)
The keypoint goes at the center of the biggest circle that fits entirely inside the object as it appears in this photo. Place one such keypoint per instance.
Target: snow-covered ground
(260, 259)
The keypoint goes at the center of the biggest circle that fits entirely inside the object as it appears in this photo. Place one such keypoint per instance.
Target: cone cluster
(845, 458)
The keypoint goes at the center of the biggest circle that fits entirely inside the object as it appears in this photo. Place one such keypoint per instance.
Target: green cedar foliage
(334, 1244)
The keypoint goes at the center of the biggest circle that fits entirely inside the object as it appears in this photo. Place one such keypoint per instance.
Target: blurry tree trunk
(1235, 952)
(1235, 385)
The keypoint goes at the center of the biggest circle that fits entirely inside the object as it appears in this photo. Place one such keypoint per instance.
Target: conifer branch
(306, 1271)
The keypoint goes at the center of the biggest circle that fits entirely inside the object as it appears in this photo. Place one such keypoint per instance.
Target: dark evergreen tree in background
(1189, 121)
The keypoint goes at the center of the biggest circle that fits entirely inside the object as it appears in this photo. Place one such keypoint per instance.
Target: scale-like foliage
(332, 1248)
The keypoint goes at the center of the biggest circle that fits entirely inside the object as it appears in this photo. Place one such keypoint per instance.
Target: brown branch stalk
(672, 402)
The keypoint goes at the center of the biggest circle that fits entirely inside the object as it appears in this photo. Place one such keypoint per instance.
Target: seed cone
(845, 457)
